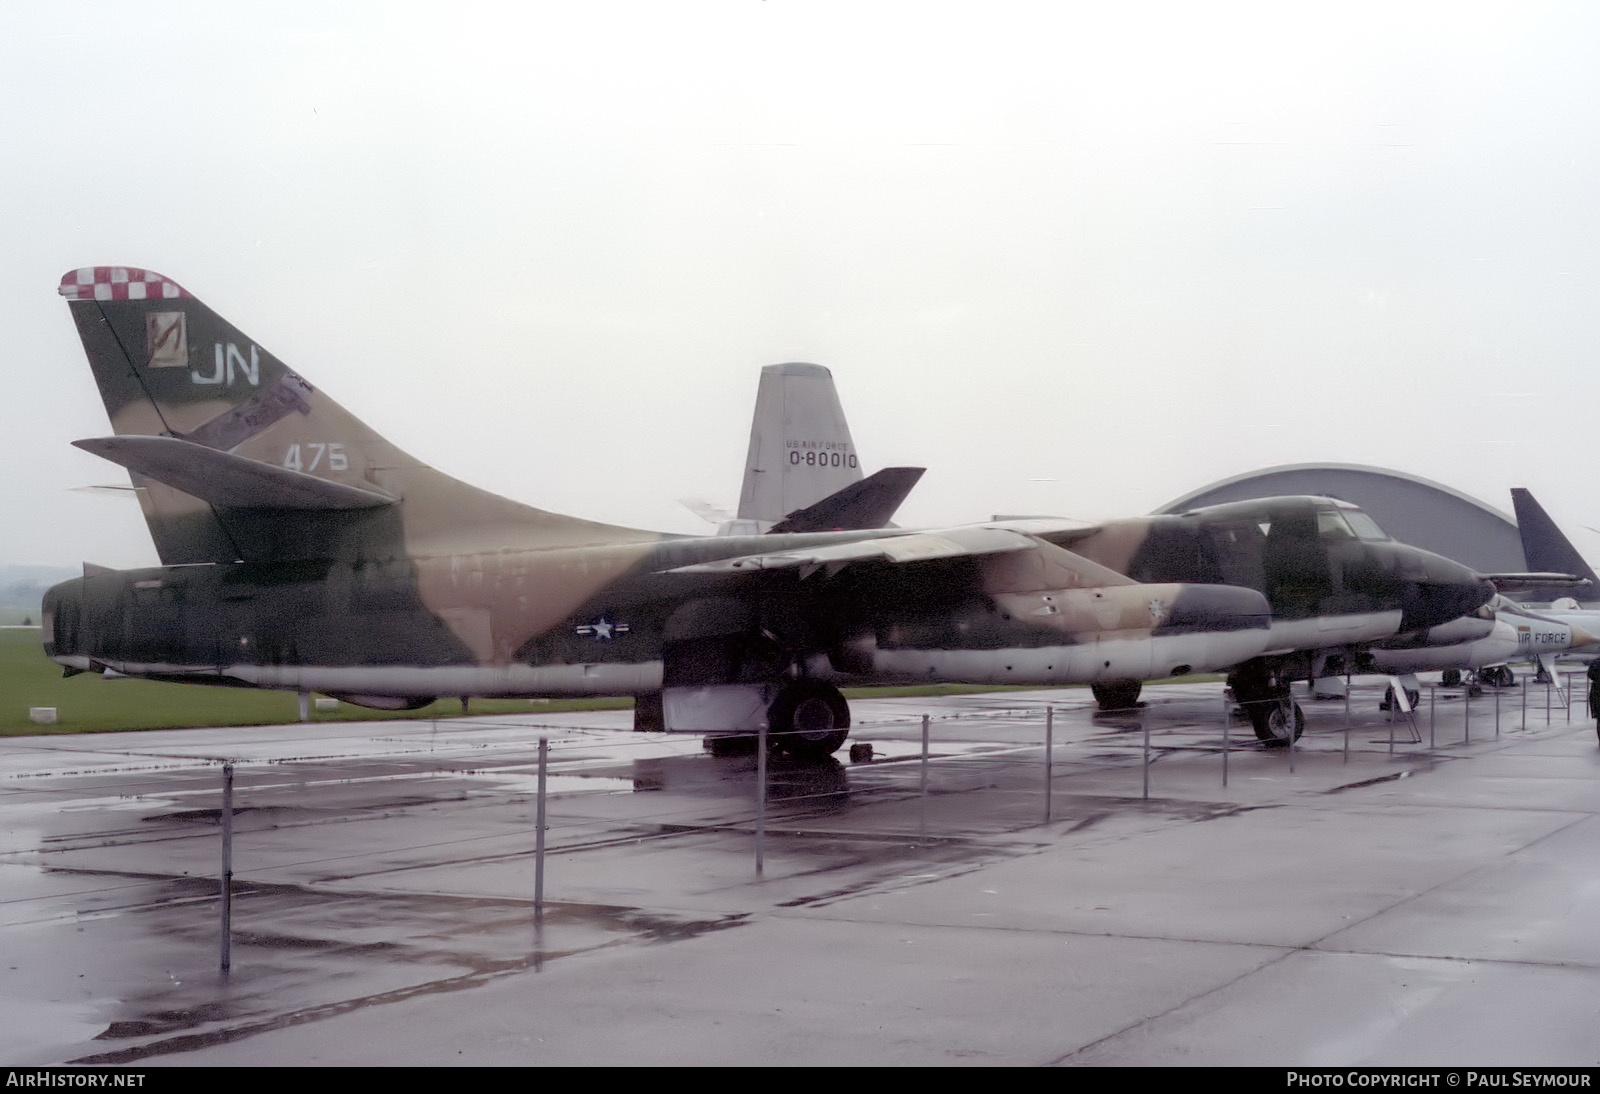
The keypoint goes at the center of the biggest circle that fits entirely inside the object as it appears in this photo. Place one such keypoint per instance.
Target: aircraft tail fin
(1545, 547)
(234, 455)
(800, 446)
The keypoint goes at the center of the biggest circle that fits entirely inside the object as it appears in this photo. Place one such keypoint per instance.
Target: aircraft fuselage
(614, 619)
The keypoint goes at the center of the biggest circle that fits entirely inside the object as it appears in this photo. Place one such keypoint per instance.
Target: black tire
(1413, 697)
(1271, 722)
(808, 720)
(1116, 694)
(1499, 676)
(1451, 678)
(647, 713)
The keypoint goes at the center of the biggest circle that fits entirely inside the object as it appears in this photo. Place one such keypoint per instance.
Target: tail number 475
(313, 456)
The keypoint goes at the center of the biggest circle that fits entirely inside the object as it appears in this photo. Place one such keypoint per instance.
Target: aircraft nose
(1581, 638)
(1442, 590)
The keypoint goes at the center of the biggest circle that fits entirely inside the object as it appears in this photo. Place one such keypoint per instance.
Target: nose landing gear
(1276, 718)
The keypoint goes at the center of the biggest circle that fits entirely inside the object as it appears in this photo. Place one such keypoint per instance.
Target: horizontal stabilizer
(1522, 582)
(221, 478)
(912, 547)
(869, 503)
(711, 514)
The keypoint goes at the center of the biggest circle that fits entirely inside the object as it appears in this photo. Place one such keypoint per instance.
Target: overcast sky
(1073, 258)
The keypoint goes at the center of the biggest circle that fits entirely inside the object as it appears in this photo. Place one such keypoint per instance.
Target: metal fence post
(1144, 726)
(1347, 718)
(1049, 754)
(1227, 721)
(227, 866)
(538, 837)
(761, 798)
(924, 815)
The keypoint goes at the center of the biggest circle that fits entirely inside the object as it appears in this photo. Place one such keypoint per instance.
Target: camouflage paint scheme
(1335, 581)
(303, 551)
(1340, 589)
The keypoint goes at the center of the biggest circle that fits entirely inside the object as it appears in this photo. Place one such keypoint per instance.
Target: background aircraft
(303, 551)
(802, 473)
(1546, 547)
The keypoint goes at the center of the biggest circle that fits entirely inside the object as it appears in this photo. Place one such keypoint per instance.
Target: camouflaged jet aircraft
(1335, 581)
(302, 551)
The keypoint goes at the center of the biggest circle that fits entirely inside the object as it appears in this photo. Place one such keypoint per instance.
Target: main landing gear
(806, 720)
(1113, 695)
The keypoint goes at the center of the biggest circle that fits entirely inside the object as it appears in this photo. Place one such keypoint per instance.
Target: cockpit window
(1365, 526)
(1332, 525)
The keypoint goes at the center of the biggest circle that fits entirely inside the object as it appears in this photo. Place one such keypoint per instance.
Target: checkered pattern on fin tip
(118, 283)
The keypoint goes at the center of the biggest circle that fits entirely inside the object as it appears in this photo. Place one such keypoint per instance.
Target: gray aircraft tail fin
(1546, 548)
(234, 455)
(800, 446)
(870, 503)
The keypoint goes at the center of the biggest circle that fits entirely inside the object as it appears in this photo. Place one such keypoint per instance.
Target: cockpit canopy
(1341, 520)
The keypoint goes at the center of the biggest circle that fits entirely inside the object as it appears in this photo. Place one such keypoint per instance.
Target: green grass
(88, 703)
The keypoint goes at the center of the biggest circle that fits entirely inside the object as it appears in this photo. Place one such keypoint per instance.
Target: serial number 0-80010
(821, 459)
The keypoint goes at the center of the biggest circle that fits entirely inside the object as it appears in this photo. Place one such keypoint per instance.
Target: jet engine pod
(384, 702)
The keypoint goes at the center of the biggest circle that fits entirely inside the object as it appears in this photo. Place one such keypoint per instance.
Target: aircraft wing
(221, 478)
(912, 547)
(867, 503)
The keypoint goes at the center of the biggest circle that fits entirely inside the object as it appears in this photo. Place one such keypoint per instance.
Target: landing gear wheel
(808, 720)
(1413, 697)
(1500, 676)
(1116, 694)
(1272, 722)
(1451, 678)
(647, 713)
